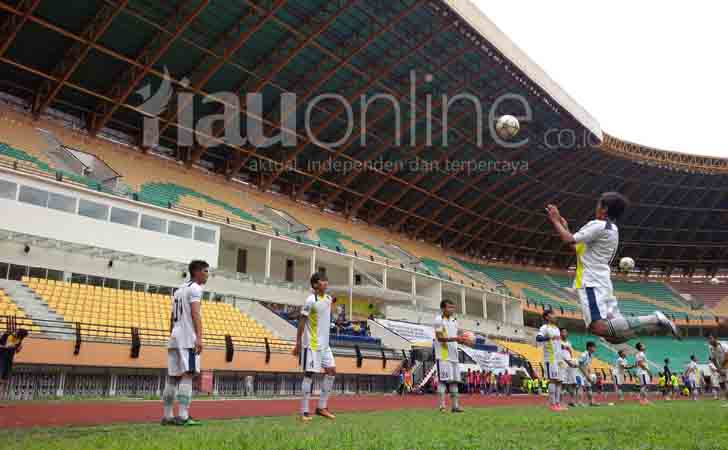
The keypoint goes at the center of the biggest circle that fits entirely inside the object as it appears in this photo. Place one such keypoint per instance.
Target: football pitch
(674, 425)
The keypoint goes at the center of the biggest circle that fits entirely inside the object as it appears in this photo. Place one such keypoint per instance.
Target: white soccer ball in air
(626, 264)
(714, 281)
(507, 127)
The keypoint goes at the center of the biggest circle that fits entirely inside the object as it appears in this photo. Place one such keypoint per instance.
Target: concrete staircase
(37, 309)
(280, 328)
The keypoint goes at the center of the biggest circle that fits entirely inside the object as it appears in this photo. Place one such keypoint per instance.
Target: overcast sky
(654, 73)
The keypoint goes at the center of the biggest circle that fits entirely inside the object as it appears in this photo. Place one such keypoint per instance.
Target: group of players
(595, 245)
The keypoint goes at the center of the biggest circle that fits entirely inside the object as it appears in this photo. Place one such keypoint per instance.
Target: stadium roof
(89, 59)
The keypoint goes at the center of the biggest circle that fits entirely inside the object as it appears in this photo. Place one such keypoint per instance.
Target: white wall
(65, 226)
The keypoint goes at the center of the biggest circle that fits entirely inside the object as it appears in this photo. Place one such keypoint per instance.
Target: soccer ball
(507, 127)
(714, 281)
(626, 264)
(469, 337)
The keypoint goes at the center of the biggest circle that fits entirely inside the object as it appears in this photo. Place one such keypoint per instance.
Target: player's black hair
(615, 204)
(546, 313)
(446, 302)
(621, 352)
(22, 333)
(667, 360)
(692, 357)
(197, 265)
(590, 344)
(639, 346)
(316, 277)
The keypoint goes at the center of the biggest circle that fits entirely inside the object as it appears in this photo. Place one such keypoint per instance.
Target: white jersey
(183, 331)
(446, 351)
(720, 354)
(640, 358)
(596, 245)
(585, 362)
(692, 371)
(316, 332)
(620, 367)
(552, 346)
(567, 355)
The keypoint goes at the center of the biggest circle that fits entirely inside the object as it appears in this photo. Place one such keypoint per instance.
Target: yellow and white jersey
(596, 245)
(446, 351)
(316, 332)
(552, 346)
(720, 354)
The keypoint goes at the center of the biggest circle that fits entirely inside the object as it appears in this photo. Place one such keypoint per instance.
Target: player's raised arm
(560, 224)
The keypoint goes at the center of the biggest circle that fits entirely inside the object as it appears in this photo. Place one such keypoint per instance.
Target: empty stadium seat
(102, 309)
(8, 308)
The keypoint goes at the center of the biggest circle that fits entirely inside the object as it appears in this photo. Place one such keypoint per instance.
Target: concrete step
(36, 309)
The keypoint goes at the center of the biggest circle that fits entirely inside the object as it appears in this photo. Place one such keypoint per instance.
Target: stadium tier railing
(30, 169)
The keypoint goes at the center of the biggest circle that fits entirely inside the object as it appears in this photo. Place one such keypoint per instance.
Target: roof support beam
(128, 81)
(373, 36)
(75, 55)
(12, 24)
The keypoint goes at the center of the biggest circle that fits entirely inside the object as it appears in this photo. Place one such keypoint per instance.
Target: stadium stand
(8, 308)
(713, 296)
(109, 308)
(659, 348)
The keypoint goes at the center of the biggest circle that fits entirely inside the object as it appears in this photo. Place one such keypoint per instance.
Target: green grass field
(677, 425)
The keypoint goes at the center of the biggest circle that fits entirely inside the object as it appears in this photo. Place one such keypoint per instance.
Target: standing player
(668, 376)
(312, 346)
(714, 379)
(620, 367)
(643, 372)
(446, 355)
(549, 337)
(185, 346)
(10, 345)
(596, 245)
(691, 375)
(568, 368)
(584, 362)
(719, 353)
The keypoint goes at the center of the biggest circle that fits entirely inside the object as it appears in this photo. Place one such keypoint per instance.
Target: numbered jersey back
(183, 331)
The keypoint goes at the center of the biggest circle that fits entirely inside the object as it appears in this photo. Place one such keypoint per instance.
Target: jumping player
(312, 346)
(620, 367)
(643, 372)
(719, 353)
(596, 245)
(549, 337)
(446, 355)
(184, 346)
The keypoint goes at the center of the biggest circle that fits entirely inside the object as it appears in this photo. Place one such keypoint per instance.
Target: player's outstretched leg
(619, 329)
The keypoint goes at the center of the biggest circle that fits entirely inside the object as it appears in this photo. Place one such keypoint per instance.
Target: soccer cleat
(188, 422)
(325, 413)
(667, 323)
(168, 421)
(555, 408)
(443, 409)
(458, 410)
(562, 408)
(305, 418)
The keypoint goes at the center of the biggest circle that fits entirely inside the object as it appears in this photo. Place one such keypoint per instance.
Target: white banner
(488, 360)
(415, 333)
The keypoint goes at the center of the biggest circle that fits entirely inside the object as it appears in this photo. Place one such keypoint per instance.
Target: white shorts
(314, 361)
(181, 361)
(551, 371)
(644, 379)
(618, 379)
(448, 371)
(581, 380)
(568, 375)
(597, 303)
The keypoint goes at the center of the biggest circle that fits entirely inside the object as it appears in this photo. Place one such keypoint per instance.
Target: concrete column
(384, 277)
(503, 304)
(268, 251)
(485, 305)
(314, 269)
(351, 287)
(463, 307)
(61, 385)
(112, 385)
(414, 289)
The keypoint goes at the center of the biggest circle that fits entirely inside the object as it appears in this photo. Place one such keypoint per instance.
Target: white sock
(455, 396)
(442, 390)
(632, 326)
(306, 388)
(168, 396)
(552, 394)
(184, 397)
(326, 387)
